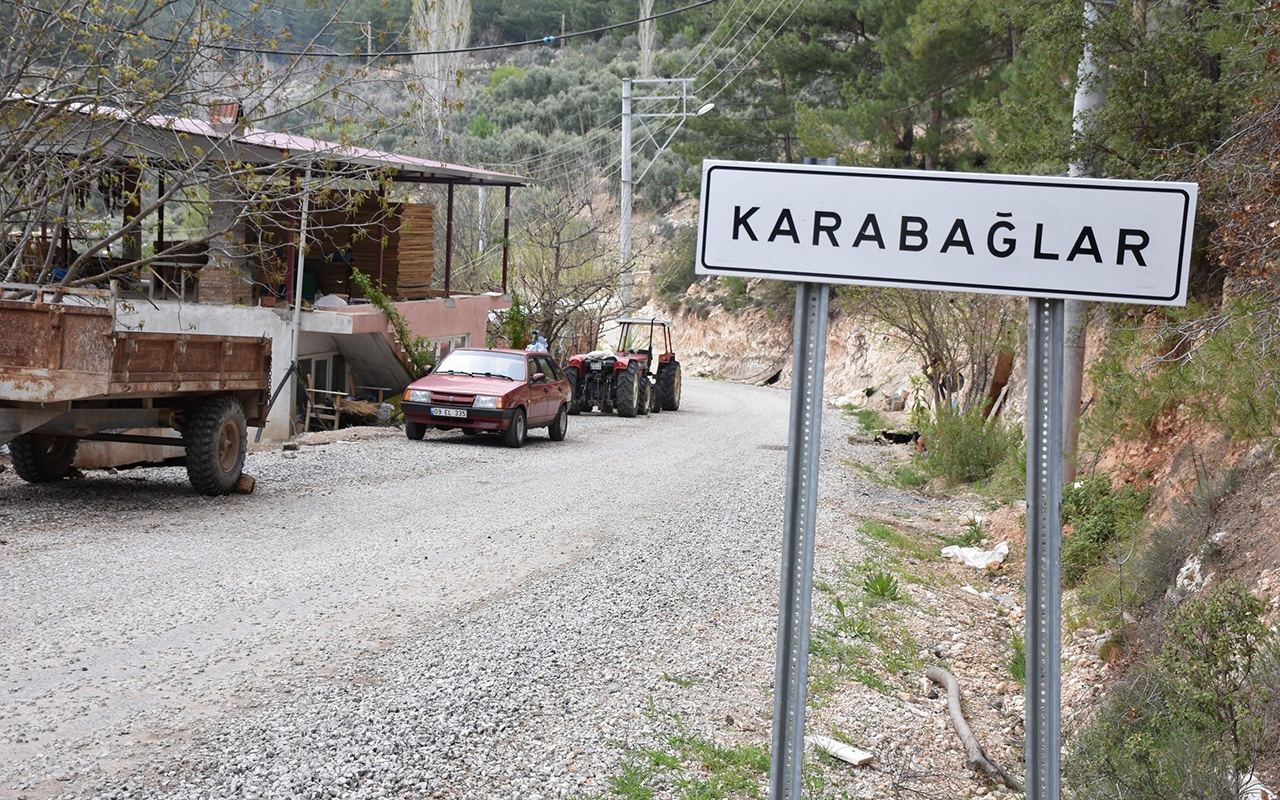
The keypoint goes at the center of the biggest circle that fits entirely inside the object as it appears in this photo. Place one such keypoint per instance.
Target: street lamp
(671, 101)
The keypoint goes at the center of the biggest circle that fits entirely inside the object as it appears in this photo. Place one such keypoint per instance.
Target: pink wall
(435, 318)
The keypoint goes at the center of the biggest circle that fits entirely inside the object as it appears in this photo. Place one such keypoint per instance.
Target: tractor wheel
(38, 458)
(517, 431)
(574, 375)
(669, 386)
(559, 425)
(645, 399)
(655, 402)
(216, 439)
(414, 430)
(627, 396)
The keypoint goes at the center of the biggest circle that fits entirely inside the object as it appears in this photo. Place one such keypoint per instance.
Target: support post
(448, 244)
(800, 520)
(1045, 357)
(624, 230)
(506, 237)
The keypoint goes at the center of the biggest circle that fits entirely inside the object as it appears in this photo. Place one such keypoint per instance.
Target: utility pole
(1091, 94)
(673, 103)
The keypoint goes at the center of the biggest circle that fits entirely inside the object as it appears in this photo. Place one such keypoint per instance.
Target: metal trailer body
(67, 374)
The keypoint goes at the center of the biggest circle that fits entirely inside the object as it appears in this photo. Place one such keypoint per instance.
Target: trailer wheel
(38, 458)
(627, 396)
(216, 440)
(517, 431)
(414, 430)
(574, 375)
(669, 386)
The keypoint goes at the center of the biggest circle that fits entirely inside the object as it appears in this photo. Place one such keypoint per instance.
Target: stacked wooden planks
(343, 240)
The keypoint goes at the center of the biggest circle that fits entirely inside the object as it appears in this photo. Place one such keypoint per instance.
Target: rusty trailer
(67, 375)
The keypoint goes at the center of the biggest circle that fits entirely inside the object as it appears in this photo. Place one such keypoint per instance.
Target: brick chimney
(225, 279)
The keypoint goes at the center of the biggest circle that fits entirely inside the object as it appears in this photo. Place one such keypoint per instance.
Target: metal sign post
(794, 608)
(1048, 239)
(1045, 360)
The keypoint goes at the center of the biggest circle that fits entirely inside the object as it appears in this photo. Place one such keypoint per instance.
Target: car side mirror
(538, 377)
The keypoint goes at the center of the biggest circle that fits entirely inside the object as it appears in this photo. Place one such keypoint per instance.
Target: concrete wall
(434, 319)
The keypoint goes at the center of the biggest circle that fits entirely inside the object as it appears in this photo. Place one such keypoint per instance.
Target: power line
(477, 49)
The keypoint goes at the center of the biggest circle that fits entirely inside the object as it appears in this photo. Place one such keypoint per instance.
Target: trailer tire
(574, 375)
(216, 440)
(627, 397)
(38, 458)
(669, 386)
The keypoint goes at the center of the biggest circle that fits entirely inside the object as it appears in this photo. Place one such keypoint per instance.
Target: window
(328, 372)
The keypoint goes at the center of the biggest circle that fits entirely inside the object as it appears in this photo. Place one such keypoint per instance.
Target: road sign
(1071, 238)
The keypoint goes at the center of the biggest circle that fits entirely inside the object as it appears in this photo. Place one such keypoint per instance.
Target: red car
(499, 391)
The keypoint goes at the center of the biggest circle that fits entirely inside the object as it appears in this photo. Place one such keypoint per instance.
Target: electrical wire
(476, 49)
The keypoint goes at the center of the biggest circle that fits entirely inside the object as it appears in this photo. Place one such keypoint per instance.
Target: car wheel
(559, 425)
(414, 430)
(517, 430)
(39, 459)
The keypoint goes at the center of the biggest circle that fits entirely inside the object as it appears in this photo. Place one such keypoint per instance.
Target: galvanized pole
(624, 233)
(1045, 359)
(794, 611)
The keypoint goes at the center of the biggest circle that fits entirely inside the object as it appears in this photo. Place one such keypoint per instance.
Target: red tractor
(634, 379)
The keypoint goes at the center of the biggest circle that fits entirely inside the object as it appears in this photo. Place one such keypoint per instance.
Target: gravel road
(384, 618)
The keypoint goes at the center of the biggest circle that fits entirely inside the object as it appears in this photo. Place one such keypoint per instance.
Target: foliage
(1099, 515)
(1017, 663)
(965, 447)
(1151, 368)
(676, 273)
(691, 767)
(882, 586)
(417, 348)
(515, 330)
(1189, 723)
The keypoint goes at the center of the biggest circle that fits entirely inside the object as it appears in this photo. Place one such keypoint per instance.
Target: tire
(38, 458)
(574, 375)
(655, 403)
(559, 425)
(669, 386)
(216, 439)
(414, 430)
(627, 397)
(644, 401)
(517, 431)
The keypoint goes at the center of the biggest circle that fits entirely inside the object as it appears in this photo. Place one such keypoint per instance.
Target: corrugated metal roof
(263, 143)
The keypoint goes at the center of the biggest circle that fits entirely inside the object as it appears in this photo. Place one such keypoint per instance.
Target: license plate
(595, 367)
(449, 412)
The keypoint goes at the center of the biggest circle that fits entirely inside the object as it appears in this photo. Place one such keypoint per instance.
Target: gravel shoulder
(446, 618)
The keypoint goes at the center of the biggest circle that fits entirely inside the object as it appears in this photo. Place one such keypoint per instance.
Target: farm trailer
(67, 374)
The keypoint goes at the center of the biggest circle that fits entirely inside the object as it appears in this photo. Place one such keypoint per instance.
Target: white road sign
(1077, 238)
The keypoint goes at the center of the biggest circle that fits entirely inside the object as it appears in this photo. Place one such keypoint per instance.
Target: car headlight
(419, 396)
(486, 401)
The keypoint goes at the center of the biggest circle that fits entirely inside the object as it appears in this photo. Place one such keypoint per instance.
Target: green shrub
(1205, 708)
(882, 586)
(1099, 515)
(963, 447)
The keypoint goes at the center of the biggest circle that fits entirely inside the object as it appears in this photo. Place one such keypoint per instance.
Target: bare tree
(441, 25)
(956, 337)
(111, 113)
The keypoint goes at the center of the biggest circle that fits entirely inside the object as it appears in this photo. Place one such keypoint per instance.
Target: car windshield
(483, 362)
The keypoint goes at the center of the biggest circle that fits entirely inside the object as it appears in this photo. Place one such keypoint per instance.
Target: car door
(546, 397)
